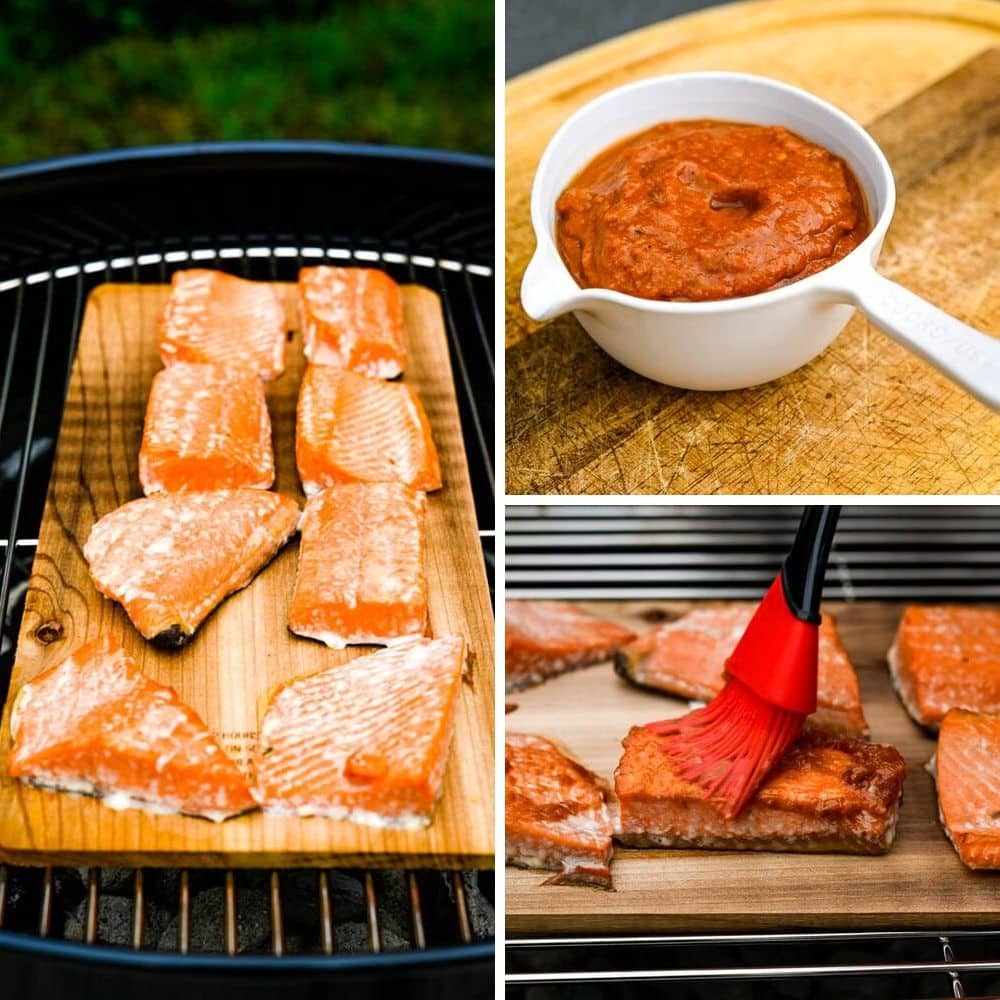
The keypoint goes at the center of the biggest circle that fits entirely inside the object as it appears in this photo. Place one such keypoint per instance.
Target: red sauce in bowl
(702, 210)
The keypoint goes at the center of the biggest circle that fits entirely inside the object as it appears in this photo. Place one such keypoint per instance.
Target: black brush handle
(804, 568)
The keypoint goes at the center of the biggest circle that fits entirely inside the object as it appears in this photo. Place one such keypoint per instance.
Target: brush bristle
(729, 746)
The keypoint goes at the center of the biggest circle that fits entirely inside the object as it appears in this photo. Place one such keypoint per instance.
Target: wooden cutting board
(864, 417)
(243, 649)
(920, 883)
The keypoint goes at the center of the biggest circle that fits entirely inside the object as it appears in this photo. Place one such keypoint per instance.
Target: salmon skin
(558, 815)
(350, 428)
(365, 741)
(352, 317)
(546, 638)
(169, 559)
(686, 657)
(944, 657)
(95, 724)
(968, 785)
(216, 318)
(206, 428)
(827, 794)
(361, 566)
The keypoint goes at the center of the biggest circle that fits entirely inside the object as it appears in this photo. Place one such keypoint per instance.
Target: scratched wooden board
(244, 649)
(864, 417)
(920, 883)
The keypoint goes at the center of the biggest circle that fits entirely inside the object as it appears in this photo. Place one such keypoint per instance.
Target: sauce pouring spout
(547, 290)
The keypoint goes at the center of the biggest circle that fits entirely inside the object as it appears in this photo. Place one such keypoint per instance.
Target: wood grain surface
(920, 883)
(866, 416)
(243, 649)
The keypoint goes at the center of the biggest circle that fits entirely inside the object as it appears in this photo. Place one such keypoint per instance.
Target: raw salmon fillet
(216, 318)
(946, 656)
(350, 428)
(968, 785)
(96, 724)
(829, 793)
(361, 566)
(352, 317)
(207, 428)
(169, 559)
(686, 657)
(545, 638)
(558, 814)
(365, 741)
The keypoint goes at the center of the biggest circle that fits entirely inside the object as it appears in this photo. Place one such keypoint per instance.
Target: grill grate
(686, 552)
(297, 912)
(137, 216)
(731, 553)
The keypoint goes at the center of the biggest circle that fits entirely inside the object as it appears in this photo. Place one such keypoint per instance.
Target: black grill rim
(39, 176)
(89, 953)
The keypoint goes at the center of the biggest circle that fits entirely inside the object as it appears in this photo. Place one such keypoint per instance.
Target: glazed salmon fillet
(350, 428)
(968, 785)
(828, 794)
(352, 317)
(95, 724)
(944, 657)
(558, 816)
(216, 318)
(546, 638)
(686, 657)
(365, 741)
(361, 566)
(206, 428)
(170, 559)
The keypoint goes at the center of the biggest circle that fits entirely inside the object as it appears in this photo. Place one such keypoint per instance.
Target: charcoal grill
(258, 210)
(933, 553)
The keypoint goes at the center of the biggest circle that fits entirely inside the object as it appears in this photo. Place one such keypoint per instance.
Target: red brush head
(729, 746)
(778, 655)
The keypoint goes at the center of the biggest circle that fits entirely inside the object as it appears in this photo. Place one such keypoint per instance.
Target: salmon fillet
(686, 657)
(361, 566)
(350, 428)
(207, 428)
(968, 785)
(216, 318)
(829, 793)
(944, 657)
(365, 741)
(546, 638)
(169, 559)
(352, 317)
(95, 724)
(559, 815)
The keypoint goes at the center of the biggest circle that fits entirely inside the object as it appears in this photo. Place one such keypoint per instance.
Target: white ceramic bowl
(734, 343)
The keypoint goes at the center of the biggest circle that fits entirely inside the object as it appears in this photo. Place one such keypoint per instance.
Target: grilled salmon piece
(559, 815)
(361, 566)
(546, 638)
(350, 428)
(968, 785)
(207, 428)
(352, 317)
(828, 793)
(686, 657)
(944, 657)
(96, 724)
(365, 741)
(215, 318)
(169, 559)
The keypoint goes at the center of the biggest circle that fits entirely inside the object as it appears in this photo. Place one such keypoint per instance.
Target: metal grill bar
(138, 910)
(230, 915)
(277, 921)
(93, 903)
(184, 914)
(327, 939)
(763, 973)
(371, 913)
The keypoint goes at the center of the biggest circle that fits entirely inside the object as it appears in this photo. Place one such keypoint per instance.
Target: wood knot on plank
(49, 632)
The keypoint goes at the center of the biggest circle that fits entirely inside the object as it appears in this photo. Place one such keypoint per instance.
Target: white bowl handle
(964, 354)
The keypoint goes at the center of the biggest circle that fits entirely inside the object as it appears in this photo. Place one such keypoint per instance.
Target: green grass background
(124, 74)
